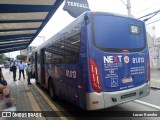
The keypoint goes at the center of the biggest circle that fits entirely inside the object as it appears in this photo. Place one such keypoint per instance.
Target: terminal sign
(76, 7)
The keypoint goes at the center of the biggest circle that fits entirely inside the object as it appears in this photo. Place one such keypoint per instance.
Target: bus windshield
(114, 32)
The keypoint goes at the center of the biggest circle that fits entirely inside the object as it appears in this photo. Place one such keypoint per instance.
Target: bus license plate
(127, 80)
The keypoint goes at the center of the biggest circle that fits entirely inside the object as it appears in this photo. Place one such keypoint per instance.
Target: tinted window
(64, 51)
(38, 57)
(113, 32)
(32, 58)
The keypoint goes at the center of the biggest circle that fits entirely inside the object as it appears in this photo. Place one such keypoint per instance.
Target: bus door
(39, 66)
(36, 73)
(42, 67)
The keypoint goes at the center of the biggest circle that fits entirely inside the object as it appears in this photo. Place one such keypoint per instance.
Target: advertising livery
(98, 61)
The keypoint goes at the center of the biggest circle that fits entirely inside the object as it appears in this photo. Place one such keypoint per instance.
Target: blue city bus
(98, 61)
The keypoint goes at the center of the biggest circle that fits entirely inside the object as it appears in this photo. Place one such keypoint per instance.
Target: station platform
(25, 99)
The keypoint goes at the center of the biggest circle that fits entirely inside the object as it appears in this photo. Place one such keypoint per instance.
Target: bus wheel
(37, 82)
(51, 90)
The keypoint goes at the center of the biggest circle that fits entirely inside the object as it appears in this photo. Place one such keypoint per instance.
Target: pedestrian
(14, 70)
(21, 67)
(2, 80)
(28, 70)
(3, 89)
(25, 70)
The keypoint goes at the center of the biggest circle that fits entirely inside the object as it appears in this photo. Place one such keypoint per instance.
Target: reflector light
(95, 102)
(148, 69)
(125, 50)
(94, 74)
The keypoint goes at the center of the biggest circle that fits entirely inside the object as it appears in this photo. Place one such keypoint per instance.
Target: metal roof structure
(22, 20)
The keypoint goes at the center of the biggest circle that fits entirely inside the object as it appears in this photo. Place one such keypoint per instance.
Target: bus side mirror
(86, 19)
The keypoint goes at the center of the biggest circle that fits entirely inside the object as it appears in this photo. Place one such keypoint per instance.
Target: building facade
(27, 51)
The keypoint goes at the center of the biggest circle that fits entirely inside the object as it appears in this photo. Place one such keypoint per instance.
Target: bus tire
(37, 82)
(51, 90)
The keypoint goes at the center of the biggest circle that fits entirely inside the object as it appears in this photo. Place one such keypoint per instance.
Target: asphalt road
(120, 112)
(126, 111)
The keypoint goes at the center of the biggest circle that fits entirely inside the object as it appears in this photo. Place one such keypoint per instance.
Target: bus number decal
(71, 74)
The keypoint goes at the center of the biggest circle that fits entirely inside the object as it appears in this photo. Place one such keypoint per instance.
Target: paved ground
(155, 79)
(19, 93)
(26, 98)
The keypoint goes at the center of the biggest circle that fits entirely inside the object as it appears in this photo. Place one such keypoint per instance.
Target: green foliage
(7, 58)
(2, 56)
(1, 61)
(21, 57)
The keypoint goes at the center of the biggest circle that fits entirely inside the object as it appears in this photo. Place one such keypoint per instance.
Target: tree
(7, 58)
(2, 56)
(21, 57)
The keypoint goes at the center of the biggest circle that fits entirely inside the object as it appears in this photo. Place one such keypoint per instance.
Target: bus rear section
(118, 61)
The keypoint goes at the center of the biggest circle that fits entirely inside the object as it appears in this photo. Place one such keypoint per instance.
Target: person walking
(28, 70)
(14, 70)
(21, 67)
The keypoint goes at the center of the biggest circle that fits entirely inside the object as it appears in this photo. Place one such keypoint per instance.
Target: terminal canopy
(22, 20)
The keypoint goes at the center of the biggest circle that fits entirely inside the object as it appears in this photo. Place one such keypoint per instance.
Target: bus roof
(74, 27)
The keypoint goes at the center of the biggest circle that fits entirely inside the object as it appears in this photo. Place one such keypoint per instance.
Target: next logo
(112, 59)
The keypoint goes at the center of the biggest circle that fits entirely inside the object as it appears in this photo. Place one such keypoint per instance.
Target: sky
(138, 8)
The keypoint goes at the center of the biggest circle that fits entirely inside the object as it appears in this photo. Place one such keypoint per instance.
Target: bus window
(65, 51)
(112, 32)
(47, 57)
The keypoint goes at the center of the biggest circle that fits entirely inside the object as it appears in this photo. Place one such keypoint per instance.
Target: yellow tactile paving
(61, 116)
(33, 103)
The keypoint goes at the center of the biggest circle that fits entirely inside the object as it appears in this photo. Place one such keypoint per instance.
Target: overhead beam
(18, 8)
(13, 45)
(20, 21)
(15, 36)
(22, 29)
(12, 49)
(15, 39)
